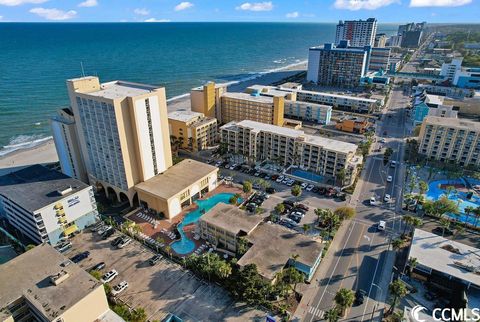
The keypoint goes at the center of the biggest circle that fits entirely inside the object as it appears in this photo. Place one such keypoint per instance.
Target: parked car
(98, 267)
(381, 225)
(303, 185)
(251, 207)
(124, 242)
(295, 218)
(387, 198)
(103, 229)
(64, 246)
(301, 206)
(322, 191)
(393, 164)
(98, 226)
(109, 276)
(122, 286)
(289, 202)
(290, 183)
(116, 241)
(270, 190)
(108, 233)
(310, 187)
(155, 259)
(389, 179)
(280, 179)
(315, 189)
(373, 201)
(80, 257)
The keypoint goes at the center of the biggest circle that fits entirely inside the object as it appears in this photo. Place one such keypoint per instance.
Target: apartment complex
(45, 205)
(123, 132)
(178, 187)
(193, 129)
(379, 59)
(358, 32)
(67, 144)
(255, 107)
(463, 77)
(270, 246)
(450, 140)
(343, 102)
(307, 111)
(259, 141)
(340, 65)
(380, 40)
(43, 285)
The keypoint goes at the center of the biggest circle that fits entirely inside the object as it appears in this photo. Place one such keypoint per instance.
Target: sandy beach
(45, 153)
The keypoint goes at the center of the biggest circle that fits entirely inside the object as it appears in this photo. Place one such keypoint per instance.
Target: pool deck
(169, 224)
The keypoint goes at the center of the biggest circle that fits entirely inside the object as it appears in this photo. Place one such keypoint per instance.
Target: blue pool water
(186, 245)
(434, 193)
(305, 174)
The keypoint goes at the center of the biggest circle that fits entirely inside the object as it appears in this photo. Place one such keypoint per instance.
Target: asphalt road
(360, 259)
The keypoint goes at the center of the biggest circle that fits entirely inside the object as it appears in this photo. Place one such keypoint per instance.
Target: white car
(389, 179)
(122, 286)
(383, 140)
(387, 198)
(228, 179)
(393, 164)
(373, 201)
(303, 185)
(381, 225)
(109, 276)
(310, 187)
(124, 242)
(227, 166)
(103, 229)
(280, 179)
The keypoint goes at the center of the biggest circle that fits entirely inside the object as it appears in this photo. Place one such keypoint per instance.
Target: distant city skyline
(386, 11)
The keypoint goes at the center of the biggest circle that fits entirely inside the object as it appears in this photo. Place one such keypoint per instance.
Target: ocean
(37, 58)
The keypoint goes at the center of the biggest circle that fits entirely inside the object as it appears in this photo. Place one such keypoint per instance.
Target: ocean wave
(23, 142)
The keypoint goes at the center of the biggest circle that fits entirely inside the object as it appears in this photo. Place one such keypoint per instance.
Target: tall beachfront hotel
(359, 32)
(122, 132)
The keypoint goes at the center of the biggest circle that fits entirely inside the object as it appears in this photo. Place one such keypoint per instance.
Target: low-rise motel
(261, 141)
(45, 205)
(43, 285)
(270, 246)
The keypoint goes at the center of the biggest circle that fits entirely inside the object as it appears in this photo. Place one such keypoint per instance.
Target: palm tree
(397, 290)
(296, 190)
(332, 315)
(306, 228)
(468, 210)
(422, 187)
(168, 249)
(397, 244)
(449, 190)
(159, 240)
(445, 224)
(417, 222)
(408, 220)
(344, 299)
(412, 263)
(476, 213)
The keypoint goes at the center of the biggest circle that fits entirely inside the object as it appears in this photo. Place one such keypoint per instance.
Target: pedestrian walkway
(316, 312)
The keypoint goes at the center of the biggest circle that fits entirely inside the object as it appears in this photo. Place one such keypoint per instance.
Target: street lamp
(376, 304)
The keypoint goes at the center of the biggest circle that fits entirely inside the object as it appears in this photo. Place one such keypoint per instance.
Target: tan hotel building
(450, 140)
(43, 285)
(259, 141)
(214, 101)
(196, 130)
(123, 132)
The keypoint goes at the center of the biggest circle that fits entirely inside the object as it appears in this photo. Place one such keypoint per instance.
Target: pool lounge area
(463, 194)
(303, 174)
(185, 245)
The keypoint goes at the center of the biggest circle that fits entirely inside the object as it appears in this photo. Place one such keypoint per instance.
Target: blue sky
(239, 10)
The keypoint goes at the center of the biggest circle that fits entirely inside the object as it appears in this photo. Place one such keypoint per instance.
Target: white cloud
(363, 4)
(183, 5)
(256, 6)
(12, 3)
(439, 3)
(142, 11)
(88, 3)
(1, 17)
(156, 20)
(294, 14)
(54, 14)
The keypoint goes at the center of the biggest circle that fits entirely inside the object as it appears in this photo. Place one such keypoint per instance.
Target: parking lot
(160, 289)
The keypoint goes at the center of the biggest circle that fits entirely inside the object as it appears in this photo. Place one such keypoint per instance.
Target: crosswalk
(316, 312)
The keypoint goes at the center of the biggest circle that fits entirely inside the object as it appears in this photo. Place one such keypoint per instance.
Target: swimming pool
(435, 192)
(186, 245)
(305, 174)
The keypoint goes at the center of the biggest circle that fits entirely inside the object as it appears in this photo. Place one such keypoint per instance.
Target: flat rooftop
(453, 122)
(122, 89)
(28, 275)
(303, 103)
(248, 97)
(332, 145)
(339, 96)
(231, 219)
(258, 126)
(268, 90)
(176, 179)
(36, 186)
(429, 250)
(183, 116)
(274, 245)
(434, 99)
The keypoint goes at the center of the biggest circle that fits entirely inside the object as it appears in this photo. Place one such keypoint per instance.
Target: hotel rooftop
(231, 219)
(453, 122)
(117, 89)
(31, 276)
(36, 186)
(248, 97)
(176, 179)
(183, 115)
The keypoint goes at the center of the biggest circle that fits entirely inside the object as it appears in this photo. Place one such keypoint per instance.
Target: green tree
(296, 190)
(397, 244)
(242, 246)
(345, 213)
(344, 299)
(422, 187)
(397, 290)
(29, 247)
(412, 263)
(247, 186)
(96, 274)
(341, 175)
(306, 228)
(327, 219)
(233, 200)
(280, 208)
(332, 315)
(445, 224)
(468, 210)
(291, 276)
(408, 220)
(168, 249)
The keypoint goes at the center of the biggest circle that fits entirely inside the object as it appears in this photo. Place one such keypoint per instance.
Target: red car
(301, 206)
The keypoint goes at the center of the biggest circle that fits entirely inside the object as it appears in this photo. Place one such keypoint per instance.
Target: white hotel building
(45, 205)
